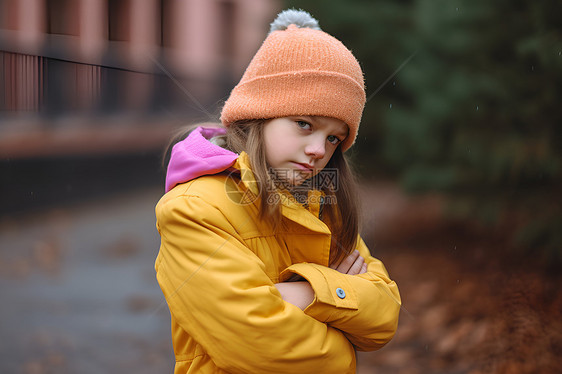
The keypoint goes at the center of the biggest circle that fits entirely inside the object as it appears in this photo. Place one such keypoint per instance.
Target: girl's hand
(353, 264)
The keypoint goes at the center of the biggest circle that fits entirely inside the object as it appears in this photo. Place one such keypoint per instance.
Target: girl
(260, 260)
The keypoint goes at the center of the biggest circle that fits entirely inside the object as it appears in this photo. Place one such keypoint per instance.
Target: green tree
(472, 110)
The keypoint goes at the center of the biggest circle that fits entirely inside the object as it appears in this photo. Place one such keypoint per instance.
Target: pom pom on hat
(299, 71)
(299, 18)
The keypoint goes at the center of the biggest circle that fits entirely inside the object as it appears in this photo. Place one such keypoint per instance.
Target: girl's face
(299, 147)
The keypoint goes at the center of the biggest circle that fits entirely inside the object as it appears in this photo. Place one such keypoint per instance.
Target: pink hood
(196, 156)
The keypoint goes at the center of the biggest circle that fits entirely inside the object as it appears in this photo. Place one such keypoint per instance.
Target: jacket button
(340, 293)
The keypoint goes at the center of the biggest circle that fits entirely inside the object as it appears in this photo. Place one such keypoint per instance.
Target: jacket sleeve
(364, 306)
(218, 291)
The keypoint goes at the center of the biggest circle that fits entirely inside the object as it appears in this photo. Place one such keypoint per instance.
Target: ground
(471, 302)
(79, 294)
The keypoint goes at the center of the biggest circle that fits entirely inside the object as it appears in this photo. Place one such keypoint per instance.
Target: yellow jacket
(217, 266)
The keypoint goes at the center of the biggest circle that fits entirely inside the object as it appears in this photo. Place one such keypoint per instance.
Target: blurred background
(459, 156)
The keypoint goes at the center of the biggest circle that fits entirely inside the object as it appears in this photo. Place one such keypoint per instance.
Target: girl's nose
(316, 149)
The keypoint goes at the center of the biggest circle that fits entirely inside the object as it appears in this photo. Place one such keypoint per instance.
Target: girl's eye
(303, 125)
(333, 139)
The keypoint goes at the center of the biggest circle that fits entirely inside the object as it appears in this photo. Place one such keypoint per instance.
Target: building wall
(64, 56)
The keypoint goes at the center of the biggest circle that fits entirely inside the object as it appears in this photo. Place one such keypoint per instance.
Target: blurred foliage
(472, 110)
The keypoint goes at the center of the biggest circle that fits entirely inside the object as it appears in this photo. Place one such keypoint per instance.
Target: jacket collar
(306, 215)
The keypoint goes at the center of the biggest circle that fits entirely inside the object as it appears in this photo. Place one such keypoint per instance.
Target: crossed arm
(300, 292)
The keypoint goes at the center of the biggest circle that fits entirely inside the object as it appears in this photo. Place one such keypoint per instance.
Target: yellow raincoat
(217, 266)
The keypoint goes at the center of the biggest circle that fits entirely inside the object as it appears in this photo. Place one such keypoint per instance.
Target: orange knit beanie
(299, 70)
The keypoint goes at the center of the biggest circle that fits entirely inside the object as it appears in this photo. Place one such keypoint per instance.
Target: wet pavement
(78, 290)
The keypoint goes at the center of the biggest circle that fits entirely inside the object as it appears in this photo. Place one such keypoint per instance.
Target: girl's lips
(304, 167)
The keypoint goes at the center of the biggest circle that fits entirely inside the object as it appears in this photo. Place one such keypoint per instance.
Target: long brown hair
(341, 208)
(344, 214)
(248, 136)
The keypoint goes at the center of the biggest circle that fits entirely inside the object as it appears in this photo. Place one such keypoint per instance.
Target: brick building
(82, 76)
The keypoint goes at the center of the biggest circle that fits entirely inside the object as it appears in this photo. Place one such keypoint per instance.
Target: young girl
(260, 260)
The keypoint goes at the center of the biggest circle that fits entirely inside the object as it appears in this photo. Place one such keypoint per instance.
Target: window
(119, 20)
(63, 17)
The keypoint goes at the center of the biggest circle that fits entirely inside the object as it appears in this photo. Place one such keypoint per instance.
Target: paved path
(78, 290)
